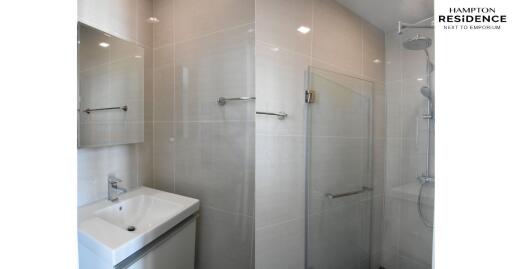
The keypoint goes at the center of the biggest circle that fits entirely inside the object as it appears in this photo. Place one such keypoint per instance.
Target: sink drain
(130, 228)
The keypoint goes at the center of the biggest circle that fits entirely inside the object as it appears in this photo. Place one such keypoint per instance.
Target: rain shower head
(418, 42)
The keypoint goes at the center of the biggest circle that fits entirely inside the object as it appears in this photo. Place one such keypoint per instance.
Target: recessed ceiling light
(377, 61)
(419, 79)
(304, 29)
(152, 20)
(104, 44)
(275, 49)
(137, 56)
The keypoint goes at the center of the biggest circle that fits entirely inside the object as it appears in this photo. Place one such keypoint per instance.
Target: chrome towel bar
(222, 100)
(334, 196)
(89, 110)
(280, 115)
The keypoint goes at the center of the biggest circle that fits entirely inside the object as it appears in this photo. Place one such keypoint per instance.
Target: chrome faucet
(113, 189)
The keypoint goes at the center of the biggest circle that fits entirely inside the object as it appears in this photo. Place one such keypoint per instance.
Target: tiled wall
(338, 41)
(407, 242)
(125, 19)
(204, 49)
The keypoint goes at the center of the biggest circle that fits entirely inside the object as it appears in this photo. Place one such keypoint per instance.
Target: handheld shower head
(427, 92)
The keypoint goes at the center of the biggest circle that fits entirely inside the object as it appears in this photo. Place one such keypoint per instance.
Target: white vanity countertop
(155, 211)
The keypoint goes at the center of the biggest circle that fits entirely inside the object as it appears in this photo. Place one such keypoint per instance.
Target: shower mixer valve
(425, 179)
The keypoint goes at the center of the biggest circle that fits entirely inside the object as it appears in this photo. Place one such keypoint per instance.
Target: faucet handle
(113, 180)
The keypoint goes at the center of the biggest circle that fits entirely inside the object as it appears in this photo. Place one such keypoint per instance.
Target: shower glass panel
(338, 171)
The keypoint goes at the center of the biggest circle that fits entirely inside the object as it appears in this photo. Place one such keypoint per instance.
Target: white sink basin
(103, 226)
(141, 212)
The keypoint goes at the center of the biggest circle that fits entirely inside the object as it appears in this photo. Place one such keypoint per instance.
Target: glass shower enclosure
(338, 170)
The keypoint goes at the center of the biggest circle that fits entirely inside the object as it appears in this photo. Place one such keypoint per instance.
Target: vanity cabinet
(176, 252)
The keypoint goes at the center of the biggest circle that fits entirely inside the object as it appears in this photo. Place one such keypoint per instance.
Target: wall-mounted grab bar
(89, 110)
(280, 115)
(334, 196)
(222, 100)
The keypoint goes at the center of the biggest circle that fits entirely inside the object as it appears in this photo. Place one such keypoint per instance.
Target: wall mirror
(110, 89)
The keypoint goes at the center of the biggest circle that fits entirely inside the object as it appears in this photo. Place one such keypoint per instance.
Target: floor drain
(130, 228)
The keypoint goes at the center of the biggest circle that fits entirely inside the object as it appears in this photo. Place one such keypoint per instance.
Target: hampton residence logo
(472, 18)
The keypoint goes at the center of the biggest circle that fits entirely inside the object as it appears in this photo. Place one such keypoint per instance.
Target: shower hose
(423, 218)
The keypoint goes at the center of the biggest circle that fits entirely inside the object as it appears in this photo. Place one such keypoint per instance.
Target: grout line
(311, 42)
(316, 136)
(137, 21)
(363, 45)
(280, 135)
(163, 46)
(278, 223)
(137, 149)
(226, 211)
(204, 121)
(227, 29)
(268, 44)
(173, 76)
(343, 71)
(153, 101)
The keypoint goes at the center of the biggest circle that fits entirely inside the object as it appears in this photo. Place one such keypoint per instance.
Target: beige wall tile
(144, 29)
(215, 163)
(337, 36)
(226, 240)
(163, 83)
(145, 150)
(145, 158)
(379, 111)
(280, 245)
(163, 174)
(148, 86)
(279, 179)
(393, 57)
(277, 22)
(94, 166)
(373, 53)
(163, 30)
(193, 19)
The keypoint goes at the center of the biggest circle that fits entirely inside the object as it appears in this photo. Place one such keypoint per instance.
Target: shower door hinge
(310, 96)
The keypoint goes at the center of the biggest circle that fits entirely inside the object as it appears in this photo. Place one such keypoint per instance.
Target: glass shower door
(338, 171)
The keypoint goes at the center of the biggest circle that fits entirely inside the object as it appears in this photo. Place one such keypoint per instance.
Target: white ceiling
(386, 13)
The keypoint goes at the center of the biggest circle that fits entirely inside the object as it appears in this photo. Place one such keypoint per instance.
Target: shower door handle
(334, 196)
